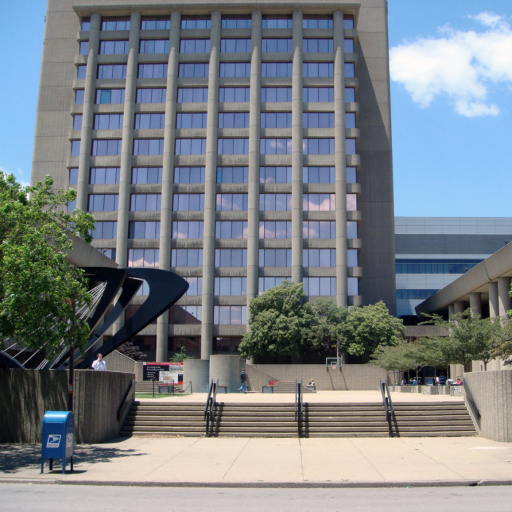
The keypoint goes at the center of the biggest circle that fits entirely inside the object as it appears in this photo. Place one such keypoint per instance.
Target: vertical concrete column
(340, 161)
(503, 295)
(297, 152)
(494, 306)
(451, 310)
(475, 304)
(127, 144)
(162, 328)
(84, 160)
(127, 149)
(458, 306)
(254, 160)
(210, 188)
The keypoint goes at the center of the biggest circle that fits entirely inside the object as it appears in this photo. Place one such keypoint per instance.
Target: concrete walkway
(243, 462)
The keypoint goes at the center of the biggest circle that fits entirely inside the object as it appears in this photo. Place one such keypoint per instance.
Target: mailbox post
(58, 439)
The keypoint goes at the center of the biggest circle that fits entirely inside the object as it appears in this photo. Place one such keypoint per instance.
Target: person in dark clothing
(243, 380)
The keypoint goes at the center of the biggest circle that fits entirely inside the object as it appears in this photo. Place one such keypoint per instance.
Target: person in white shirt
(99, 364)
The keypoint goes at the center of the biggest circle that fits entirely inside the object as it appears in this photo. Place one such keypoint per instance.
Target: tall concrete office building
(236, 143)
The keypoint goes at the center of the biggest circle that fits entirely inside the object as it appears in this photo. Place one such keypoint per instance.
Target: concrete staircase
(254, 420)
(150, 418)
(433, 419)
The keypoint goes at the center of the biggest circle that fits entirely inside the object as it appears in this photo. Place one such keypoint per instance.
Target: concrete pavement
(239, 462)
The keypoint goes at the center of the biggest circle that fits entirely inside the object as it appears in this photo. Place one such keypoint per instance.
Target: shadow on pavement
(18, 457)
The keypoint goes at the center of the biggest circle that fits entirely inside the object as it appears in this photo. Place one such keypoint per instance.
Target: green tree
(40, 292)
(180, 356)
(326, 331)
(369, 327)
(279, 322)
(471, 337)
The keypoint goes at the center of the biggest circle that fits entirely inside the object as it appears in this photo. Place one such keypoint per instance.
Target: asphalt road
(78, 498)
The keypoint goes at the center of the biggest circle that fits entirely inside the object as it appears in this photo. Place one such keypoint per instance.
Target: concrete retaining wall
(489, 398)
(27, 394)
(117, 362)
(348, 377)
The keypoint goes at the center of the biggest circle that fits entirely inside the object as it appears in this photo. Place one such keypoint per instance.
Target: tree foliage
(472, 338)
(132, 351)
(282, 323)
(40, 293)
(180, 356)
(279, 322)
(368, 327)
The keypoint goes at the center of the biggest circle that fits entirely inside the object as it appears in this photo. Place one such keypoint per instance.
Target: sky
(451, 102)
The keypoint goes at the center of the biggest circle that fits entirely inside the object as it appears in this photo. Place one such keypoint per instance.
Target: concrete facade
(99, 47)
(488, 395)
(28, 394)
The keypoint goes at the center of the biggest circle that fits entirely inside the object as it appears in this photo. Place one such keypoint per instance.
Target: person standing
(99, 364)
(243, 380)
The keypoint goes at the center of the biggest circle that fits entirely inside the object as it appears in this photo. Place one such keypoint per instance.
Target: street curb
(262, 485)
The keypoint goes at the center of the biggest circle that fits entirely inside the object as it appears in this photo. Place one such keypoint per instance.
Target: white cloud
(461, 65)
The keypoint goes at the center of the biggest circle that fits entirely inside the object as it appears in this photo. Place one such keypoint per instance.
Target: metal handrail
(123, 401)
(299, 406)
(211, 402)
(388, 405)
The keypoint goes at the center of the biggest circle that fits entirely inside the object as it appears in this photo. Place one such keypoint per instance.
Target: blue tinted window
(146, 175)
(144, 230)
(80, 72)
(154, 46)
(276, 45)
(145, 202)
(152, 71)
(195, 46)
(275, 146)
(276, 69)
(105, 230)
(317, 45)
(192, 95)
(276, 119)
(276, 94)
(149, 121)
(115, 23)
(235, 69)
(151, 95)
(190, 147)
(234, 120)
(148, 147)
(275, 229)
(199, 70)
(108, 121)
(79, 97)
(235, 45)
(189, 175)
(275, 174)
(317, 21)
(102, 147)
(318, 94)
(318, 120)
(236, 21)
(319, 174)
(195, 22)
(233, 146)
(318, 69)
(318, 146)
(275, 21)
(104, 175)
(191, 120)
(114, 47)
(155, 23)
(234, 94)
(111, 71)
(109, 96)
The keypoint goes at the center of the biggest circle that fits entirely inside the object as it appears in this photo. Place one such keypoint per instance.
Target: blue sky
(451, 94)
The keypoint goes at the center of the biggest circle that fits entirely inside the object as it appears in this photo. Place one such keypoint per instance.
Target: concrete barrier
(27, 394)
(489, 399)
(227, 370)
(197, 371)
(348, 377)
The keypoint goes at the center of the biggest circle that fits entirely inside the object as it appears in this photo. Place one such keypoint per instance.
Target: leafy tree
(471, 337)
(368, 327)
(40, 292)
(180, 356)
(327, 325)
(132, 351)
(279, 322)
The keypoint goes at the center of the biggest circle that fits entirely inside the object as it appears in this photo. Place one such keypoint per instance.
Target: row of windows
(419, 266)
(226, 95)
(229, 22)
(268, 146)
(187, 175)
(417, 294)
(267, 229)
(148, 46)
(226, 70)
(223, 229)
(225, 120)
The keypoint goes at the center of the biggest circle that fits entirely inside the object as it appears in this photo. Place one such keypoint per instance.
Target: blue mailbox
(58, 439)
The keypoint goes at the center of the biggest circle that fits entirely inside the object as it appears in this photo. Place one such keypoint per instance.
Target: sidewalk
(243, 462)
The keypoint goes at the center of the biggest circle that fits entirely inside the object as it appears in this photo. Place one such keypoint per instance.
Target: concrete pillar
(458, 306)
(127, 144)
(162, 328)
(451, 310)
(254, 160)
(503, 295)
(197, 371)
(475, 304)
(297, 153)
(210, 188)
(340, 161)
(125, 174)
(494, 307)
(88, 114)
(226, 369)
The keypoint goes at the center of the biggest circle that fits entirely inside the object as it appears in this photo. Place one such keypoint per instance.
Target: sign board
(163, 372)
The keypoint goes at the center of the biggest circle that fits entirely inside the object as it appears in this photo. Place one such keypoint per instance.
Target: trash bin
(58, 439)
